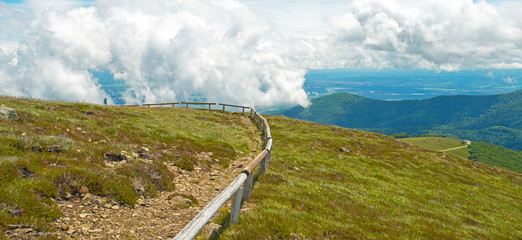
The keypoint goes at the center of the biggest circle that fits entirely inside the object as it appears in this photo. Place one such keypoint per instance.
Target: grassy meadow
(380, 189)
(120, 152)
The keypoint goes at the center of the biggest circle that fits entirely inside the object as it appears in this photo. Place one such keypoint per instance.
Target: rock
(179, 201)
(146, 155)
(83, 190)
(67, 196)
(56, 149)
(127, 156)
(39, 128)
(345, 150)
(69, 206)
(339, 156)
(9, 114)
(143, 149)
(24, 230)
(14, 226)
(115, 207)
(65, 227)
(211, 230)
(15, 212)
(111, 157)
(239, 166)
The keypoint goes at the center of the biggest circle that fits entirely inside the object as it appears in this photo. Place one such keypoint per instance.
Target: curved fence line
(239, 190)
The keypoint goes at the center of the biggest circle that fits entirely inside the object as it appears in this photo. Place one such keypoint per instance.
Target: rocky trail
(162, 217)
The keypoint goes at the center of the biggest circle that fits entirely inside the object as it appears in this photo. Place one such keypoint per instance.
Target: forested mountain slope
(495, 118)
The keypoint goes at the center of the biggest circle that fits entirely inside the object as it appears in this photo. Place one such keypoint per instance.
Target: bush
(402, 135)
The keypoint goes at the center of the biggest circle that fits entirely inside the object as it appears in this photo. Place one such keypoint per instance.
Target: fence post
(247, 186)
(243, 112)
(262, 166)
(223, 109)
(235, 206)
(251, 112)
(186, 106)
(209, 107)
(267, 158)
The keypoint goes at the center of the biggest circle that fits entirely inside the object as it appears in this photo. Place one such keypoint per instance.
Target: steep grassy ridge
(60, 149)
(496, 119)
(380, 189)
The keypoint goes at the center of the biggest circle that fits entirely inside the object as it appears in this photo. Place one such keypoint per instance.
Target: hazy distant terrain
(390, 84)
(494, 118)
(379, 84)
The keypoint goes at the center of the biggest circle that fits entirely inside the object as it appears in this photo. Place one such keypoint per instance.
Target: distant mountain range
(495, 119)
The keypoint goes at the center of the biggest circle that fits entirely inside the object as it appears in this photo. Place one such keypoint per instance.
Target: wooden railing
(239, 190)
(160, 104)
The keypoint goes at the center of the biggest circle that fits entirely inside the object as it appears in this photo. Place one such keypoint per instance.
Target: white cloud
(509, 80)
(440, 34)
(222, 51)
(163, 50)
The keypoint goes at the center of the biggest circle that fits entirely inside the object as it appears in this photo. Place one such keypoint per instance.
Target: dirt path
(162, 217)
(451, 149)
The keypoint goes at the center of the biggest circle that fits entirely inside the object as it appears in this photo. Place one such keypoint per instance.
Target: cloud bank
(162, 50)
(433, 34)
(220, 51)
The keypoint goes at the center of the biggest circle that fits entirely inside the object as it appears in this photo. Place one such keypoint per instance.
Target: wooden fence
(239, 190)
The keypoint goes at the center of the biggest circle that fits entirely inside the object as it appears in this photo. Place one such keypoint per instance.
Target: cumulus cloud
(436, 34)
(162, 50)
(221, 51)
(509, 80)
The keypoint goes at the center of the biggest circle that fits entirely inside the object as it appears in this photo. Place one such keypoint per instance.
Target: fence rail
(239, 190)
(235, 106)
(160, 104)
(196, 103)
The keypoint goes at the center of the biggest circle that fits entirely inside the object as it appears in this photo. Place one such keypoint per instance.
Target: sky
(241, 52)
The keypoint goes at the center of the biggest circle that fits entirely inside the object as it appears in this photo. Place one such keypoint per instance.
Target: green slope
(496, 119)
(58, 148)
(496, 155)
(380, 189)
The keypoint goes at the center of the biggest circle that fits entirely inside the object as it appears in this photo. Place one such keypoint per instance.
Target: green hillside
(376, 188)
(496, 155)
(121, 153)
(496, 119)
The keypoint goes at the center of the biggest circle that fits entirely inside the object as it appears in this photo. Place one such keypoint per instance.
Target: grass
(496, 155)
(439, 143)
(59, 148)
(380, 189)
